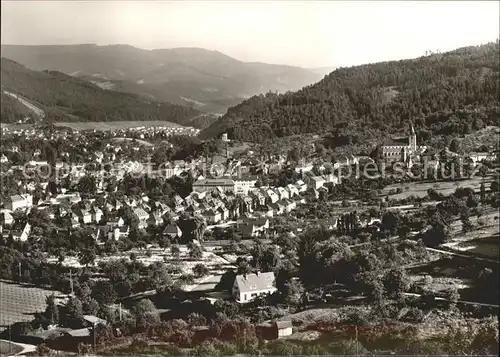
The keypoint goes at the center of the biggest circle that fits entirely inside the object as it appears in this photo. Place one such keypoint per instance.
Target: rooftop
(255, 282)
(214, 182)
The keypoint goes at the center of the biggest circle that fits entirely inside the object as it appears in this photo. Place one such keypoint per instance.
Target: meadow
(419, 189)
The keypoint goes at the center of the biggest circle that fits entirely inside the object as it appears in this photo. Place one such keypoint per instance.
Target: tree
(292, 292)
(455, 145)
(192, 227)
(200, 270)
(376, 291)
(175, 251)
(395, 282)
(195, 251)
(90, 306)
(42, 350)
(467, 225)
(87, 184)
(243, 267)
(229, 308)
(87, 257)
(451, 294)
(390, 221)
(436, 235)
(103, 292)
(482, 190)
(52, 310)
(226, 281)
(145, 313)
(158, 277)
(74, 312)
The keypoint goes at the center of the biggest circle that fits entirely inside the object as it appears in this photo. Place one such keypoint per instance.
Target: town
(117, 229)
(299, 178)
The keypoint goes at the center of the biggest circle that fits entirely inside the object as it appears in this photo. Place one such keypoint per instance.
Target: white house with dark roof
(244, 184)
(282, 193)
(142, 216)
(316, 182)
(248, 287)
(173, 231)
(96, 214)
(18, 202)
(212, 216)
(271, 196)
(22, 235)
(6, 218)
(301, 186)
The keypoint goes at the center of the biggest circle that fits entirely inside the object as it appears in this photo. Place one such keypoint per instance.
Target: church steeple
(412, 140)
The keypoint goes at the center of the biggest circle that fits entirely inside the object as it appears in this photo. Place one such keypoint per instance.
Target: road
(26, 348)
(462, 255)
(37, 111)
(458, 301)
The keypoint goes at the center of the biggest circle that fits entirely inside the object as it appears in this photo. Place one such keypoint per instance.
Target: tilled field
(19, 302)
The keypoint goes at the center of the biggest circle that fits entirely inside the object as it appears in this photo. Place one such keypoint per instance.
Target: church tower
(412, 139)
(404, 154)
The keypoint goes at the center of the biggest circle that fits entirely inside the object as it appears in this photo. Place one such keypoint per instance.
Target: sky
(302, 33)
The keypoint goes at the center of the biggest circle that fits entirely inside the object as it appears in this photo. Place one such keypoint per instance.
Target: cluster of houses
(217, 200)
(144, 132)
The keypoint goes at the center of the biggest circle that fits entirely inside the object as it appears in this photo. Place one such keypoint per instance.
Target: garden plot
(215, 264)
(483, 240)
(419, 189)
(439, 284)
(19, 302)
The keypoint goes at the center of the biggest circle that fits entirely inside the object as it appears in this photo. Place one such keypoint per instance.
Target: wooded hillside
(65, 98)
(441, 93)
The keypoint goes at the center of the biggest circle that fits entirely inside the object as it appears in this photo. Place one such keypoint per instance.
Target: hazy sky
(303, 33)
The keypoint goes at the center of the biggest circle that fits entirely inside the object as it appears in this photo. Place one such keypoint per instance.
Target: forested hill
(371, 101)
(65, 98)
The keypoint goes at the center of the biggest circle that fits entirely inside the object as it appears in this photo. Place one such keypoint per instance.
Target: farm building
(283, 328)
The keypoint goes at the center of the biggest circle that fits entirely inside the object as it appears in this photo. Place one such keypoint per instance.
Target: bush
(200, 270)
(84, 348)
(452, 295)
(139, 344)
(42, 350)
(414, 315)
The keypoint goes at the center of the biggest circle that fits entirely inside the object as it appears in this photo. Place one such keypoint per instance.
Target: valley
(180, 201)
(183, 76)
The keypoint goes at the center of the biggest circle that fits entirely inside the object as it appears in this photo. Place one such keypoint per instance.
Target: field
(216, 265)
(138, 141)
(7, 348)
(483, 240)
(18, 302)
(113, 125)
(419, 189)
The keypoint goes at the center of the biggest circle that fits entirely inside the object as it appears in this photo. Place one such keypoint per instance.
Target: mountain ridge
(204, 76)
(65, 98)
